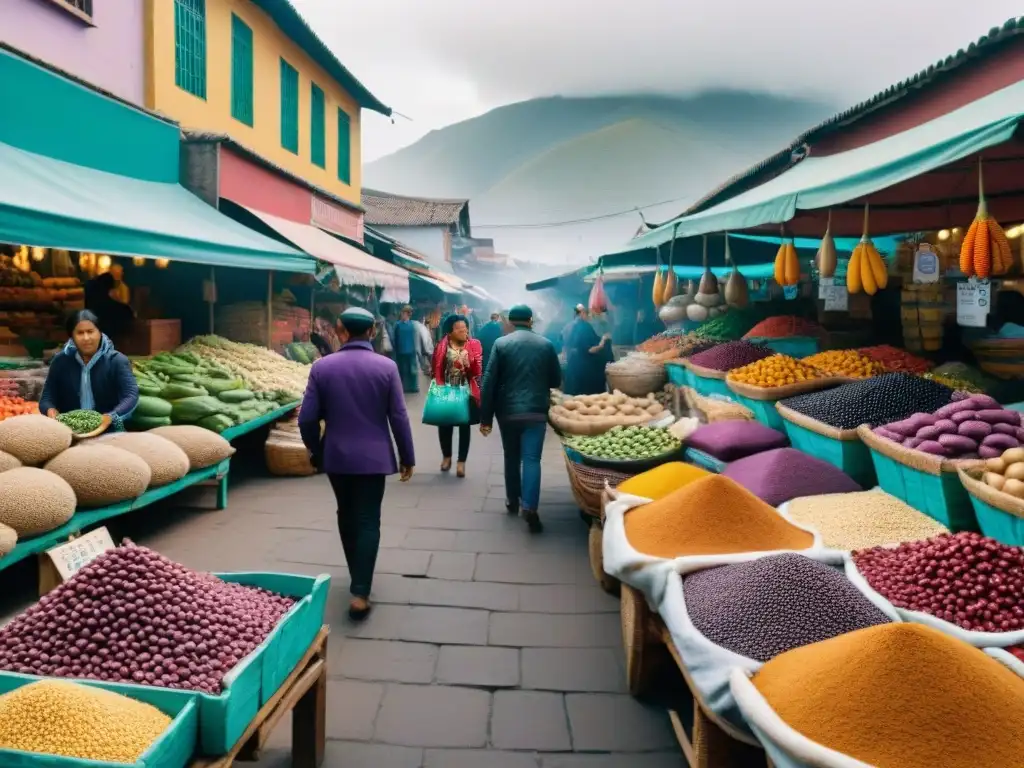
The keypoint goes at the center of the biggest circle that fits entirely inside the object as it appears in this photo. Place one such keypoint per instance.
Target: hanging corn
(985, 250)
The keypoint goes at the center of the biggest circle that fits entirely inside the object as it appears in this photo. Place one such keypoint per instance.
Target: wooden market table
(304, 694)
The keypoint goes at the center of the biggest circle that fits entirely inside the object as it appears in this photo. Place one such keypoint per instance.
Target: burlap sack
(970, 477)
(788, 414)
(780, 393)
(919, 460)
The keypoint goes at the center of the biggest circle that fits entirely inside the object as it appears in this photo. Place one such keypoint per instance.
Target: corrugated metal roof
(384, 209)
(785, 158)
(290, 21)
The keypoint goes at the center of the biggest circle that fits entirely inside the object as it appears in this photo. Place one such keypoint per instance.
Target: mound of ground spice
(711, 516)
(900, 696)
(662, 480)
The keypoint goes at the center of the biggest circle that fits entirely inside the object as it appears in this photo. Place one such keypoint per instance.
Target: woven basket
(638, 383)
(1000, 515)
(588, 484)
(287, 456)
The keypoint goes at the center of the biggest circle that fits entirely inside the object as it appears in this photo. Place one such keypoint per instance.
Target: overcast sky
(442, 61)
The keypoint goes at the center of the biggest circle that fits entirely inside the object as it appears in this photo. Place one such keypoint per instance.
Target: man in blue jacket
(405, 351)
(358, 395)
(488, 334)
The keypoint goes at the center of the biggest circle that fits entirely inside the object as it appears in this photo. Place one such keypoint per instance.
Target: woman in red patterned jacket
(458, 360)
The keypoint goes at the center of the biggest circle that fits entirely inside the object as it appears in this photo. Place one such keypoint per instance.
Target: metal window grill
(289, 107)
(344, 147)
(85, 6)
(190, 46)
(317, 151)
(241, 71)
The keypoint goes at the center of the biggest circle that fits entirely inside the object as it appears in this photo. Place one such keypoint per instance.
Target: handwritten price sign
(71, 557)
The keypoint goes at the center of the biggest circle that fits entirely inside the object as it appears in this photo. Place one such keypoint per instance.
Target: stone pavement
(487, 648)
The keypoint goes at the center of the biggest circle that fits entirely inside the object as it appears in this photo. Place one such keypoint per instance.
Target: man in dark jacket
(517, 386)
(489, 334)
(358, 396)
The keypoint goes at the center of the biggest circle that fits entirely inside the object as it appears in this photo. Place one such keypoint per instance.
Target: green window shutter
(289, 107)
(317, 151)
(241, 71)
(344, 147)
(190, 46)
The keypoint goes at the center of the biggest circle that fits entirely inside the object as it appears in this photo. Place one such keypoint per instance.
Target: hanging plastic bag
(447, 405)
(598, 297)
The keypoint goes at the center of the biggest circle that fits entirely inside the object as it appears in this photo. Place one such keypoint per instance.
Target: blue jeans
(522, 443)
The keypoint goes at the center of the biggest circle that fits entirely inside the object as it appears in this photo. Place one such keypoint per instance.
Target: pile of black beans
(775, 604)
(876, 401)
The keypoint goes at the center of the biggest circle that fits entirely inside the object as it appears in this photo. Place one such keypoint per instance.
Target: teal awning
(831, 180)
(57, 204)
(440, 285)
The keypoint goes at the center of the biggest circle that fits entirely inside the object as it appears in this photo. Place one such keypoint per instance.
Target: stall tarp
(56, 204)
(439, 284)
(353, 266)
(820, 182)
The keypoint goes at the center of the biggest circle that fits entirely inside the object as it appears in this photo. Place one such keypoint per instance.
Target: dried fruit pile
(880, 400)
(895, 359)
(775, 371)
(861, 520)
(132, 615)
(733, 354)
(963, 578)
(845, 362)
(774, 604)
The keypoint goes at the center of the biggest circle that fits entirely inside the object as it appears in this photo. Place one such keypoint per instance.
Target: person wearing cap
(358, 395)
(520, 375)
(585, 356)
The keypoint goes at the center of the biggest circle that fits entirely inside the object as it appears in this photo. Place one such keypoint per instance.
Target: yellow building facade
(253, 70)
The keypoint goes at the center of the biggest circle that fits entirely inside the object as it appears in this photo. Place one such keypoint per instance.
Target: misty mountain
(562, 159)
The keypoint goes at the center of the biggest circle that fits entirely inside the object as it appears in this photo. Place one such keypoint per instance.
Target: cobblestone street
(488, 647)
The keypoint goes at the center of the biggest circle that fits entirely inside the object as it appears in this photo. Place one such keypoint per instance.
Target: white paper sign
(824, 284)
(71, 557)
(837, 299)
(926, 264)
(973, 302)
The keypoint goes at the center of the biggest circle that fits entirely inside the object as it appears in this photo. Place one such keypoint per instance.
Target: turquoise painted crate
(703, 460)
(851, 456)
(794, 346)
(996, 523)
(764, 411)
(942, 497)
(707, 386)
(174, 748)
(677, 374)
(298, 628)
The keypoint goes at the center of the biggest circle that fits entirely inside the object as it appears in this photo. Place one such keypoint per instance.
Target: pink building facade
(102, 44)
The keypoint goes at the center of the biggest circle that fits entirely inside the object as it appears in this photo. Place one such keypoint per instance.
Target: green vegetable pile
(185, 387)
(81, 422)
(731, 326)
(625, 443)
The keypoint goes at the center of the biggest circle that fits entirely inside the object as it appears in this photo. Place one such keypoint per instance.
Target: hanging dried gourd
(671, 282)
(826, 258)
(985, 250)
(787, 264)
(867, 271)
(736, 293)
(658, 293)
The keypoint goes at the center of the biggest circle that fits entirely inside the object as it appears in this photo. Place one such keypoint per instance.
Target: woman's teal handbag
(446, 406)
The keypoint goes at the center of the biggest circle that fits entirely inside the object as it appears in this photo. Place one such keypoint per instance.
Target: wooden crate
(148, 337)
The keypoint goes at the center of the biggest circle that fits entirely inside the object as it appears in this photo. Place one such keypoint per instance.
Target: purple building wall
(107, 54)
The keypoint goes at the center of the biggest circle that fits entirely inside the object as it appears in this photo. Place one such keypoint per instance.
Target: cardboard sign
(926, 264)
(71, 557)
(973, 302)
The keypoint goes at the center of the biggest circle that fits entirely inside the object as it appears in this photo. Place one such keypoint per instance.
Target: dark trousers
(409, 372)
(446, 434)
(359, 501)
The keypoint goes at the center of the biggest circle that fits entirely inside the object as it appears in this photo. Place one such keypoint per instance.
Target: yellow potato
(1015, 471)
(1014, 488)
(1013, 455)
(994, 479)
(996, 465)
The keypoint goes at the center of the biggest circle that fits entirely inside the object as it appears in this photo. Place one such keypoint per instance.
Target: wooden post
(213, 297)
(270, 310)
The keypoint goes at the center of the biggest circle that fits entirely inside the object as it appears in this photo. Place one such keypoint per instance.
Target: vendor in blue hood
(89, 374)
